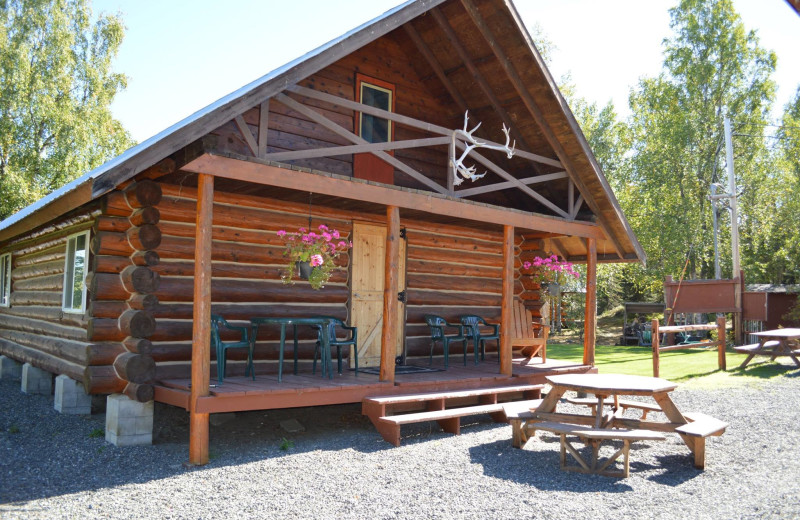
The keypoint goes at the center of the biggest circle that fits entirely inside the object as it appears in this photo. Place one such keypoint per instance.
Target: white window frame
(66, 297)
(367, 82)
(5, 280)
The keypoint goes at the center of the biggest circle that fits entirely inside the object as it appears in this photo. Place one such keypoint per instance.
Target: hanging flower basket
(549, 272)
(311, 254)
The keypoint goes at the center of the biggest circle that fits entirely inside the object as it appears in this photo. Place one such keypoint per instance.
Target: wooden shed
(112, 278)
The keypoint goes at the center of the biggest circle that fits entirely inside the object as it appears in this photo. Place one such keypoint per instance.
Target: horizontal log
(225, 233)
(463, 257)
(243, 312)
(109, 263)
(143, 193)
(68, 350)
(140, 392)
(53, 282)
(159, 169)
(135, 368)
(177, 330)
(47, 313)
(39, 359)
(453, 243)
(143, 216)
(235, 270)
(144, 237)
(114, 224)
(110, 243)
(138, 279)
(143, 302)
(59, 252)
(107, 308)
(43, 327)
(248, 291)
(442, 298)
(138, 345)
(451, 269)
(60, 228)
(137, 323)
(529, 284)
(115, 204)
(36, 298)
(416, 314)
(38, 270)
(146, 258)
(102, 380)
(51, 240)
(265, 351)
(107, 286)
(461, 283)
(104, 329)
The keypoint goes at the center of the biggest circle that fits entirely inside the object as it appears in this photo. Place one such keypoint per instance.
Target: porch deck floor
(239, 393)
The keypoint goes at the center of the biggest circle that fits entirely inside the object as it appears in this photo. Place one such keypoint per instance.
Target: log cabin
(111, 280)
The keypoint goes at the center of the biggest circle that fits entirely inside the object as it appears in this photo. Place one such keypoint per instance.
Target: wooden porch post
(590, 319)
(508, 300)
(201, 325)
(390, 301)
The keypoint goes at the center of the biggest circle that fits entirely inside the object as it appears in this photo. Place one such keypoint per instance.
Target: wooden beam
(508, 184)
(335, 128)
(559, 248)
(534, 109)
(263, 128)
(201, 321)
(452, 37)
(436, 66)
(577, 206)
(353, 189)
(241, 124)
(590, 317)
(514, 181)
(507, 301)
(409, 121)
(332, 151)
(390, 291)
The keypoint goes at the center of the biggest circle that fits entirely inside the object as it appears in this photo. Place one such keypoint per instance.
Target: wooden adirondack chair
(530, 337)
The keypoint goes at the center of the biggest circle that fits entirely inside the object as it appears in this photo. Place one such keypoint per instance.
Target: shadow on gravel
(766, 370)
(44, 453)
(539, 468)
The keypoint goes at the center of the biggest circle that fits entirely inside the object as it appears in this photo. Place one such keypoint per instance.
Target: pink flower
(316, 260)
(327, 236)
(336, 234)
(342, 244)
(302, 230)
(526, 265)
(323, 227)
(282, 233)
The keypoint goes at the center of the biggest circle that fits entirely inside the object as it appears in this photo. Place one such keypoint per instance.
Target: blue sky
(182, 55)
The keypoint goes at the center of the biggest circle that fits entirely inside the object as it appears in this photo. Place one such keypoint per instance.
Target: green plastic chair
(437, 325)
(333, 341)
(219, 323)
(472, 330)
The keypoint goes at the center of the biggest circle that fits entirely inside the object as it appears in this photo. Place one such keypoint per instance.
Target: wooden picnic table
(693, 428)
(773, 343)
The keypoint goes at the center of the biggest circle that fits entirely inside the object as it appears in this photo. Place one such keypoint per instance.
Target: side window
(378, 94)
(5, 280)
(75, 273)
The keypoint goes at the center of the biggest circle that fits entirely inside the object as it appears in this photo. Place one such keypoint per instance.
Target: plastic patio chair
(438, 325)
(472, 330)
(219, 323)
(333, 341)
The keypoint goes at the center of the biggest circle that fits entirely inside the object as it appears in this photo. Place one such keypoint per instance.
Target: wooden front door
(366, 291)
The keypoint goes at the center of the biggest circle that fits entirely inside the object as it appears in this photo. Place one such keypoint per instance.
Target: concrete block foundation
(10, 369)
(128, 422)
(70, 398)
(36, 381)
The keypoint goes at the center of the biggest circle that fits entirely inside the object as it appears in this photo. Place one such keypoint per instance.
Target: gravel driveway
(59, 466)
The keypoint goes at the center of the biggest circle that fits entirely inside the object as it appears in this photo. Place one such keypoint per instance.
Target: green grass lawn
(697, 366)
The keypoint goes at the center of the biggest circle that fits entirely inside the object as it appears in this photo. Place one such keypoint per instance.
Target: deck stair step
(388, 412)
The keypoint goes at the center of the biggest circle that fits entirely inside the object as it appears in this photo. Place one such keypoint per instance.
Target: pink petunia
(336, 234)
(316, 260)
(282, 233)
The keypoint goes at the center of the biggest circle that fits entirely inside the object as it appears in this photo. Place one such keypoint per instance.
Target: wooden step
(456, 394)
(435, 415)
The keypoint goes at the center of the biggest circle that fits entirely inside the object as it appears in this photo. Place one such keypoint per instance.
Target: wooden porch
(240, 393)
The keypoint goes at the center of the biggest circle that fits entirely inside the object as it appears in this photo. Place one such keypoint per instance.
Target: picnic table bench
(774, 344)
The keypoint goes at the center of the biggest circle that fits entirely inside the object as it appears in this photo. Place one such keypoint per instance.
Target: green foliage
(56, 86)
(286, 444)
(13, 429)
(97, 433)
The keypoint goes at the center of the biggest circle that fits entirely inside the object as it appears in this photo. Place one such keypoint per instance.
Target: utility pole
(715, 215)
(737, 270)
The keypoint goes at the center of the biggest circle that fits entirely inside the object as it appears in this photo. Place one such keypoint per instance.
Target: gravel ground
(59, 466)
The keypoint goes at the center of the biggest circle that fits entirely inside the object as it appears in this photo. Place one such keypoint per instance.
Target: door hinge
(401, 296)
(403, 233)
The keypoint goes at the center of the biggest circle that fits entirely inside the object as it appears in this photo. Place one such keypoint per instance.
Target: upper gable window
(378, 94)
(75, 273)
(5, 280)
